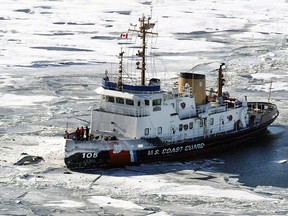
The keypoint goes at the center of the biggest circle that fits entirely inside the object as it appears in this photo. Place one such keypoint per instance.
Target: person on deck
(77, 132)
(82, 133)
(87, 132)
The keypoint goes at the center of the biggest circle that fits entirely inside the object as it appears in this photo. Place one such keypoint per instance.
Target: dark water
(261, 162)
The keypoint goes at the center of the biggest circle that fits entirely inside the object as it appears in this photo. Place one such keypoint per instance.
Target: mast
(145, 25)
(120, 76)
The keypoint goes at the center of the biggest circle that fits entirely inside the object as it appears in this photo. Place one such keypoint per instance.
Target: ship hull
(188, 150)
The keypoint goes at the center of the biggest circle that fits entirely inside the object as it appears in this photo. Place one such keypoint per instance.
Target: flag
(124, 35)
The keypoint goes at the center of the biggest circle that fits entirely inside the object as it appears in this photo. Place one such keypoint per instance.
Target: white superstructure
(170, 117)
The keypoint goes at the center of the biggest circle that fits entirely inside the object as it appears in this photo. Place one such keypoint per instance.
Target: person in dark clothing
(87, 132)
(81, 133)
(77, 132)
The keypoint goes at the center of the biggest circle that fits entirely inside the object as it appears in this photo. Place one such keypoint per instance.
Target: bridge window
(211, 121)
(156, 102)
(129, 102)
(119, 100)
(147, 103)
(201, 123)
(146, 131)
(110, 99)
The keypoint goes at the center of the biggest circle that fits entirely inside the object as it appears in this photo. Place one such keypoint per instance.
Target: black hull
(188, 150)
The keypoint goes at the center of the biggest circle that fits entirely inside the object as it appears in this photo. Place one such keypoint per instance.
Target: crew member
(87, 132)
(77, 133)
(82, 133)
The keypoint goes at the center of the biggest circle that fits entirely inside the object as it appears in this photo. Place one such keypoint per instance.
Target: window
(129, 102)
(156, 108)
(110, 99)
(147, 103)
(156, 102)
(180, 127)
(119, 100)
(159, 131)
(146, 131)
(190, 125)
(211, 121)
(201, 123)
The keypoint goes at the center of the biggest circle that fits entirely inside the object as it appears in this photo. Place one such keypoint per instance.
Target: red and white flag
(124, 35)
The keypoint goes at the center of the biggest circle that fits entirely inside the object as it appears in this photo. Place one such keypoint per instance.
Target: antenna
(270, 89)
(66, 131)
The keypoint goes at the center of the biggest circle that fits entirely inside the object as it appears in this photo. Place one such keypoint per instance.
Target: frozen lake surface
(53, 56)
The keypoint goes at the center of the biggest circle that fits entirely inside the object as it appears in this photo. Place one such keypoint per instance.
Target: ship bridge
(126, 103)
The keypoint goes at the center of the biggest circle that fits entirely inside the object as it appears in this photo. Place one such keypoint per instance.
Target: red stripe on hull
(121, 159)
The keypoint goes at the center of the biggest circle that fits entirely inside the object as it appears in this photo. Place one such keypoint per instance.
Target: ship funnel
(197, 83)
(221, 80)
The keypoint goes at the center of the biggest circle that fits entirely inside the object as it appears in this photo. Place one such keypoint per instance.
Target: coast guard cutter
(141, 123)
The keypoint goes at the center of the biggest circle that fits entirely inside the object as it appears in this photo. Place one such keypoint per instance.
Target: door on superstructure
(221, 124)
(172, 132)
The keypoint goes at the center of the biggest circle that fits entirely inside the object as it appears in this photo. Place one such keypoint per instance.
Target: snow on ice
(53, 54)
